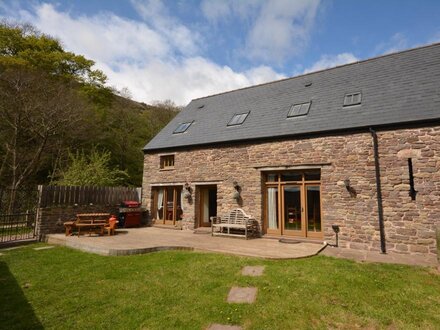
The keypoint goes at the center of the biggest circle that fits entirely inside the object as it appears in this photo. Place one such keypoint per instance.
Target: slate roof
(396, 88)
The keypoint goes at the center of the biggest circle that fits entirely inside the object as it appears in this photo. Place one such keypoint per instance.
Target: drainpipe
(379, 191)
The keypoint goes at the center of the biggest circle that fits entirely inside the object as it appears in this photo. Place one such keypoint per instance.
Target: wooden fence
(70, 195)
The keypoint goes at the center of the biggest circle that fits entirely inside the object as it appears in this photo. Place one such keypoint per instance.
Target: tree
(23, 45)
(53, 101)
(90, 170)
(39, 98)
(35, 111)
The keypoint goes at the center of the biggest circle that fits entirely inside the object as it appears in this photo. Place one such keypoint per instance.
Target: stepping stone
(242, 295)
(253, 270)
(223, 327)
(13, 248)
(44, 248)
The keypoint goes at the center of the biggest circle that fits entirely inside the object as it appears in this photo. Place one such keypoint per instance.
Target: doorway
(208, 205)
(293, 204)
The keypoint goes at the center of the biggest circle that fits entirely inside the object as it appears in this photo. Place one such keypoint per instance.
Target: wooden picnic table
(93, 222)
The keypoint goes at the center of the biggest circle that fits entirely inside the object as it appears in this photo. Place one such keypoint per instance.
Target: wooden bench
(91, 222)
(238, 221)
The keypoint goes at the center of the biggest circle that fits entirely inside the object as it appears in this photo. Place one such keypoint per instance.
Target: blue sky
(180, 50)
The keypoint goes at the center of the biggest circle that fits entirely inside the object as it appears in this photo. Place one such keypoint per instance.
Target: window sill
(167, 169)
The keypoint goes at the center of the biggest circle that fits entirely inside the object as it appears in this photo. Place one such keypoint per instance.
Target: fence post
(38, 219)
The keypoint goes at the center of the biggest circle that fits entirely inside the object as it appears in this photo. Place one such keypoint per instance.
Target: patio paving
(376, 256)
(151, 239)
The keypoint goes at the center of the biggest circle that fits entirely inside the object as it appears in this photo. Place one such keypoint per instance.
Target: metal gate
(18, 214)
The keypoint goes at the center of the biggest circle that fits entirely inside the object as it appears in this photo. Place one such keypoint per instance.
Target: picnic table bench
(237, 220)
(91, 222)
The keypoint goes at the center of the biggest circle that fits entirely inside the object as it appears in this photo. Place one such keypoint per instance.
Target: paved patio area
(151, 239)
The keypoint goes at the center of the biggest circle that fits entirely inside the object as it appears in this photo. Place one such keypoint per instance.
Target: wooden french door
(293, 208)
(167, 206)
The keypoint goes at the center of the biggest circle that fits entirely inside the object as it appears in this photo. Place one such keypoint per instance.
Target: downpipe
(379, 191)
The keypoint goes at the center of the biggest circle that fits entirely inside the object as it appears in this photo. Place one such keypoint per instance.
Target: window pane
(272, 177)
(272, 208)
(292, 176)
(182, 128)
(352, 99)
(292, 208)
(313, 209)
(304, 109)
(238, 119)
(299, 110)
(312, 176)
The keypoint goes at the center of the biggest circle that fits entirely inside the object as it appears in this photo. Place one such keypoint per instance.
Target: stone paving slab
(44, 248)
(242, 295)
(151, 239)
(13, 248)
(223, 327)
(252, 270)
(376, 256)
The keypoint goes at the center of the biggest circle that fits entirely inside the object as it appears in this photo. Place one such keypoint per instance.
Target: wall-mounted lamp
(188, 191)
(349, 188)
(236, 193)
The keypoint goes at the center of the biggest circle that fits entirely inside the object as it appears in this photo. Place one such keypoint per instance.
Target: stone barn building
(357, 146)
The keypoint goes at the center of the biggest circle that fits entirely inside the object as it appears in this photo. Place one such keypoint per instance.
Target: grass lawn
(61, 288)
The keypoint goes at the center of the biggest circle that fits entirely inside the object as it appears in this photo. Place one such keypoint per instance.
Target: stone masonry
(410, 226)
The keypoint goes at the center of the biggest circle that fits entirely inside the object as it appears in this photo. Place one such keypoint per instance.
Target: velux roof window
(182, 128)
(238, 119)
(297, 110)
(352, 99)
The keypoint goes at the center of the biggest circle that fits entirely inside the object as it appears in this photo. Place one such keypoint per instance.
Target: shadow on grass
(16, 312)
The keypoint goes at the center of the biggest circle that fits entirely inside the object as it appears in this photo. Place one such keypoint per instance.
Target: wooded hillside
(58, 115)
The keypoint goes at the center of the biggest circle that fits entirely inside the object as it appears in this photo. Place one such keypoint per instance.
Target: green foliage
(91, 169)
(22, 45)
(30, 62)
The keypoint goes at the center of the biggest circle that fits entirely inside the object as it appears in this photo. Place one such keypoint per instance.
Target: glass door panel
(169, 211)
(205, 207)
(313, 209)
(273, 226)
(293, 219)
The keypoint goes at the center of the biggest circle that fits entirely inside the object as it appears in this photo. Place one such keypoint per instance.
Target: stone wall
(409, 225)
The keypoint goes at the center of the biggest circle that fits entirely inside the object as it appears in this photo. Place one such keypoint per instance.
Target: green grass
(61, 288)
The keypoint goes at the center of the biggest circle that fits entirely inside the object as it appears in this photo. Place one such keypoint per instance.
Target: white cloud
(279, 29)
(214, 10)
(155, 13)
(396, 43)
(151, 63)
(329, 61)
(435, 38)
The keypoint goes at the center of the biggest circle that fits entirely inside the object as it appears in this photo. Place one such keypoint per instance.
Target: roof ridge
(322, 70)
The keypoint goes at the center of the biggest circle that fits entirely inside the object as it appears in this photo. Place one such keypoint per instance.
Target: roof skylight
(238, 119)
(297, 110)
(182, 128)
(352, 99)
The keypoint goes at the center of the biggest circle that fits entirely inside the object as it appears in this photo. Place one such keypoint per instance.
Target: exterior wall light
(188, 191)
(350, 189)
(236, 193)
